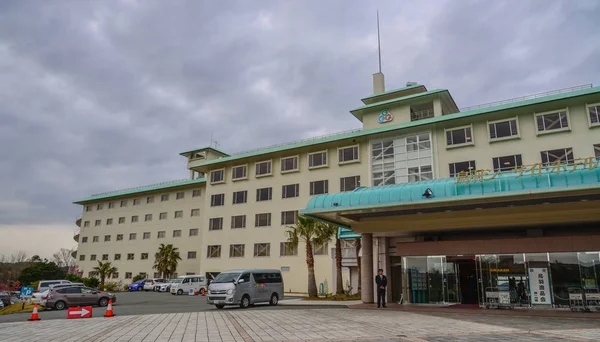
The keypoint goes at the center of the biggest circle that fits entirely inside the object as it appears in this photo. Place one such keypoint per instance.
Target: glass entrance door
(436, 265)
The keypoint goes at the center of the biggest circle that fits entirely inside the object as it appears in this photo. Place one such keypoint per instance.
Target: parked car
(64, 297)
(246, 287)
(166, 287)
(187, 283)
(39, 297)
(45, 284)
(137, 286)
(5, 298)
(153, 284)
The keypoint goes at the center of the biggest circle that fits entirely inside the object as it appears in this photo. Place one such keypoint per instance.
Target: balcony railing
(420, 115)
(78, 220)
(76, 235)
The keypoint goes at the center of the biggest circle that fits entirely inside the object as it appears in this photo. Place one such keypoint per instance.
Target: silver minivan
(246, 287)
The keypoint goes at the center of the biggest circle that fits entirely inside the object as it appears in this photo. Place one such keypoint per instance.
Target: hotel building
(456, 205)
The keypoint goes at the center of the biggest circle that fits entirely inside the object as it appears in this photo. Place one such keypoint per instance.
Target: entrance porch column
(366, 264)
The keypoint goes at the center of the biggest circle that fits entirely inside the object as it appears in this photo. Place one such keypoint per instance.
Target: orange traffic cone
(203, 292)
(109, 310)
(34, 314)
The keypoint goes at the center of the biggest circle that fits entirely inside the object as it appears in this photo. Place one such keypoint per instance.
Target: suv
(153, 284)
(64, 297)
(45, 284)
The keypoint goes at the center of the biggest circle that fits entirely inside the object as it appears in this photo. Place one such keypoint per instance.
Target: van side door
(261, 289)
(243, 288)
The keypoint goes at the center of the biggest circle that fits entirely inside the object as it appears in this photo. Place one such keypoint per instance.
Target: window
(97, 223)
(421, 142)
(597, 151)
(557, 121)
(148, 217)
(217, 176)
(289, 164)
(162, 216)
(290, 191)
(236, 251)
(504, 129)
(191, 255)
(82, 257)
(84, 239)
(93, 257)
(179, 214)
(238, 221)
(99, 206)
(286, 249)
(263, 168)
(319, 187)
(264, 194)
(86, 224)
(349, 183)
(459, 136)
(130, 256)
(88, 208)
(177, 233)
(507, 163)
(164, 197)
(115, 275)
(117, 256)
(149, 199)
(111, 205)
(106, 238)
(123, 203)
(128, 275)
(382, 160)
(161, 234)
(104, 257)
(144, 256)
(348, 154)
(134, 218)
(217, 200)
(565, 155)
(240, 197)
(317, 159)
(239, 172)
(95, 239)
(196, 193)
(262, 249)
(213, 251)
(466, 166)
(262, 220)
(180, 195)
(119, 237)
(146, 236)
(121, 220)
(215, 223)
(320, 249)
(289, 217)
(195, 212)
(132, 236)
(419, 173)
(137, 201)
(594, 111)
(194, 232)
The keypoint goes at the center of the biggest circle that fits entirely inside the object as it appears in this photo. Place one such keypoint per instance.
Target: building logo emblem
(385, 116)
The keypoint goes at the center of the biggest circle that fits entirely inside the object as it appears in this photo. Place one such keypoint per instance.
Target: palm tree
(104, 270)
(166, 260)
(358, 245)
(311, 233)
(332, 231)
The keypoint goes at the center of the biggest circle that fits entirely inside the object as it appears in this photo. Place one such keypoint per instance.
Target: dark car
(64, 297)
(5, 298)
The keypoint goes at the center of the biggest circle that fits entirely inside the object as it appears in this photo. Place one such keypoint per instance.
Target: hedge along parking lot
(141, 303)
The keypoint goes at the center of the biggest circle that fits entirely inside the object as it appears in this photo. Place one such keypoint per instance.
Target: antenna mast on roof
(378, 78)
(378, 41)
(216, 143)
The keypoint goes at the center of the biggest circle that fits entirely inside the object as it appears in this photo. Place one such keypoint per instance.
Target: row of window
(260, 220)
(263, 250)
(130, 256)
(349, 154)
(145, 236)
(287, 191)
(147, 218)
(149, 199)
(513, 162)
(509, 128)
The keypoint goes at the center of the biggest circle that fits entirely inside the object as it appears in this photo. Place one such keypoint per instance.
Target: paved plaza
(303, 325)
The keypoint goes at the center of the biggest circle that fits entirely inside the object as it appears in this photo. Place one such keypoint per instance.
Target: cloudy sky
(103, 95)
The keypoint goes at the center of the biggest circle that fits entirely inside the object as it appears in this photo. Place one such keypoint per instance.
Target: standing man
(381, 282)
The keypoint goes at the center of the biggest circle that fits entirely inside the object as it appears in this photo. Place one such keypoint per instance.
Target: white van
(45, 284)
(184, 284)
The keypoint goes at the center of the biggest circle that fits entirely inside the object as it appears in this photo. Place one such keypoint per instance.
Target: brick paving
(303, 325)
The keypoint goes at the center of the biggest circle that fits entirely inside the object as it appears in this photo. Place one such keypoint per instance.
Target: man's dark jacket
(381, 281)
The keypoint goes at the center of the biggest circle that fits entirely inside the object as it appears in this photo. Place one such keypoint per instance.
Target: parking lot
(140, 303)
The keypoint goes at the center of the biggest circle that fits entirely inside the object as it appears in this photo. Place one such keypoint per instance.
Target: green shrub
(125, 287)
(74, 278)
(35, 285)
(91, 282)
(111, 287)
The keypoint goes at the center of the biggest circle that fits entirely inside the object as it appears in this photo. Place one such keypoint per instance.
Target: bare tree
(64, 258)
(18, 257)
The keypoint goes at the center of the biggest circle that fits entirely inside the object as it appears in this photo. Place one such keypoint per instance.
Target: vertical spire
(378, 78)
(378, 41)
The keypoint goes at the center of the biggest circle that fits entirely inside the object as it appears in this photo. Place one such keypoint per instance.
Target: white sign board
(539, 286)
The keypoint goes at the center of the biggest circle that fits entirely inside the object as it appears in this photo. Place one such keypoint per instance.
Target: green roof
(204, 148)
(131, 191)
(398, 99)
(391, 92)
(389, 128)
(347, 234)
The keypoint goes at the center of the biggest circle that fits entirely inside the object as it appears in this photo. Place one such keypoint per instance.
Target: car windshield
(226, 278)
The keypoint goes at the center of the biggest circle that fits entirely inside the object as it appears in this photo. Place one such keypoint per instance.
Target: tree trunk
(358, 246)
(339, 284)
(310, 262)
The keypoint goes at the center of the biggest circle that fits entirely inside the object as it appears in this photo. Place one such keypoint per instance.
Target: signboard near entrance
(539, 286)
(79, 312)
